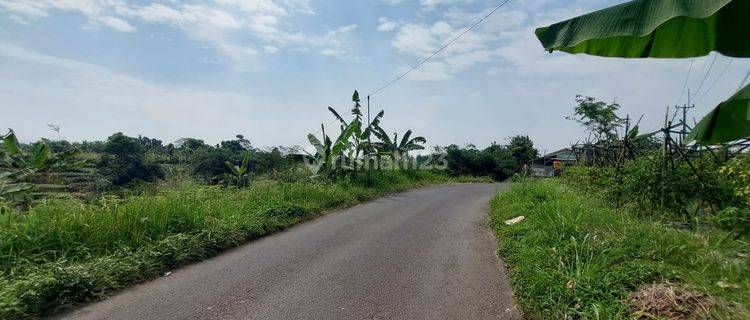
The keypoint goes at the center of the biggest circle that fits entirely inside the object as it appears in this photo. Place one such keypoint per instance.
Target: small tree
(240, 174)
(599, 118)
(522, 150)
(124, 161)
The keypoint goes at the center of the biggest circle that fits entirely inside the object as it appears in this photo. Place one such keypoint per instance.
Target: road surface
(425, 254)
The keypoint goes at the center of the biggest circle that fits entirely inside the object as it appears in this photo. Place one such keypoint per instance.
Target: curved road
(425, 254)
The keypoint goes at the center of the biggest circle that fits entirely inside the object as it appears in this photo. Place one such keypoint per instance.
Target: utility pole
(684, 130)
(369, 143)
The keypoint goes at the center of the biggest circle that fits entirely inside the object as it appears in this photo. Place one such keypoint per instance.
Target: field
(576, 256)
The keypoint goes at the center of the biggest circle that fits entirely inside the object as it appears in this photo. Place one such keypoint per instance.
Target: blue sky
(269, 68)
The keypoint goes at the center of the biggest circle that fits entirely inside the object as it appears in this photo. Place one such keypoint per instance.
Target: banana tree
(398, 150)
(240, 173)
(331, 156)
(361, 137)
(16, 166)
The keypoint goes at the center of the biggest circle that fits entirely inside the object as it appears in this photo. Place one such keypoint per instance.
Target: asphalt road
(425, 254)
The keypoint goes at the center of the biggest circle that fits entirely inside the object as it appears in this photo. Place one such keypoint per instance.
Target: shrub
(209, 165)
(497, 161)
(644, 184)
(124, 161)
(737, 173)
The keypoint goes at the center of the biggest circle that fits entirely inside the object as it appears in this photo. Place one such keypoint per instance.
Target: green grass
(576, 257)
(62, 253)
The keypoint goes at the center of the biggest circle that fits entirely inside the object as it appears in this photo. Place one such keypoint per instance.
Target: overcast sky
(269, 68)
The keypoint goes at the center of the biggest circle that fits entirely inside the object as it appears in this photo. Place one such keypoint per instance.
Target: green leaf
(11, 144)
(39, 153)
(727, 122)
(355, 96)
(405, 139)
(336, 114)
(655, 29)
(316, 143)
(245, 161)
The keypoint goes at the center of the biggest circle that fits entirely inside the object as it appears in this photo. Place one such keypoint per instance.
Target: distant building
(543, 166)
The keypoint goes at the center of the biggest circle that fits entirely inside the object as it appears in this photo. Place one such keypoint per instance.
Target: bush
(209, 165)
(736, 172)
(734, 220)
(497, 161)
(642, 184)
(124, 161)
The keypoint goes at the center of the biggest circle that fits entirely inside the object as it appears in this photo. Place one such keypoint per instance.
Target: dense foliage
(123, 160)
(497, 161)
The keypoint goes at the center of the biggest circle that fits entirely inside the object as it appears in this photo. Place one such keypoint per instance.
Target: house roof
(566, 155)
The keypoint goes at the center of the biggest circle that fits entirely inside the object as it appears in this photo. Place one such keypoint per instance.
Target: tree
(124, 161)
(522, 150)
(599, 118)
(361, 138)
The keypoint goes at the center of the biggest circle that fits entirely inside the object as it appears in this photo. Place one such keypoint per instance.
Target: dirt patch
(668, 300)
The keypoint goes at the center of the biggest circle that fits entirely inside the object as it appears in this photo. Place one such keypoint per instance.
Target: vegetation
(599, 118)
(498, 161)
(82, 219)
(18, 165)
(65, 252)
(648, 236)
(576, 256)
(123, 161)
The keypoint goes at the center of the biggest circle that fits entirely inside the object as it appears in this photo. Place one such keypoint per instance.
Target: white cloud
(23, 8)
(270, 49)
(59, 90)
(117, 24)
(431, 4)
(386, 24)
(236, 29)
(422, 40)
(157, 12)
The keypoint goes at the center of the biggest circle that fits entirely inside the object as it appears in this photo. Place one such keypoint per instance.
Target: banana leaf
(656, 29)
(728, 122)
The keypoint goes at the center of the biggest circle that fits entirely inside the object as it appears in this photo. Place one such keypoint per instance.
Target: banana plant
(16, 166)
(330, 157)
(240, 175)
(361, 138)
(398, 151)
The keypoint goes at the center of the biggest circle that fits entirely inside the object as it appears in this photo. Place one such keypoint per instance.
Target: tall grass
(64, 252)
(576, 257)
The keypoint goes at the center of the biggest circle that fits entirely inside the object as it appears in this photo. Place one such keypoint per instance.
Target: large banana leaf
(727, 122)
(656, 29)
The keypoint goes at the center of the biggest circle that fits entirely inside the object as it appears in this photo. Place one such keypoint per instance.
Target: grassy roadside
(574, 257)
(63, 253)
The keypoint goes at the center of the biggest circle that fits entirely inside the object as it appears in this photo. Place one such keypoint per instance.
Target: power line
(317, 132)
(706, 75)
(439, 50)
(717, 80)
(684, 86)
